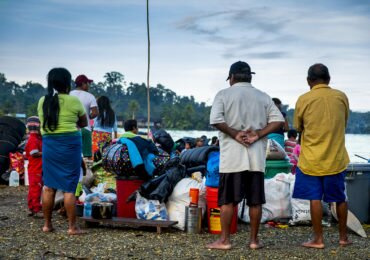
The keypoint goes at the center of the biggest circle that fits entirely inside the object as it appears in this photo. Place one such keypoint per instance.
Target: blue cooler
(212, 172)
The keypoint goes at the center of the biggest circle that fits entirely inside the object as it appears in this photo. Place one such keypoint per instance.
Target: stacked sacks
(278, 204)
(12, 132)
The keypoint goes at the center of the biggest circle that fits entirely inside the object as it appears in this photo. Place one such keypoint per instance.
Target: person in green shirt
(60, 115)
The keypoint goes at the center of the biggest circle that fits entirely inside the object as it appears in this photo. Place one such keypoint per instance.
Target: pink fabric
(294, 157)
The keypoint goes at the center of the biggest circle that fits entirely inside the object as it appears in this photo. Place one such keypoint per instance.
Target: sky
(193, 43)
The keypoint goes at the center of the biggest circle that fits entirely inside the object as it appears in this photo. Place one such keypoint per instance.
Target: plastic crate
(274, 167)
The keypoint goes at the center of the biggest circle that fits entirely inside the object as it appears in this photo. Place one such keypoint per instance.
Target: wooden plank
(133, 222)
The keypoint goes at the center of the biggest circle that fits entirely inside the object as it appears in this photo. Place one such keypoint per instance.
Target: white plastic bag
(301, 213)
(277, 194)
(150, 209)
(179, 199)
(274, 151)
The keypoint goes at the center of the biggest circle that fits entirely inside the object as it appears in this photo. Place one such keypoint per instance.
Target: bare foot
(47, 229)
(256, 245)
(313, 244)
(345, 242)
(218, 244)
(76, 232)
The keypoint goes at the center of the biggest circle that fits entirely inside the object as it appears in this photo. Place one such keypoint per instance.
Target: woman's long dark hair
(59, 80)
(106, 115)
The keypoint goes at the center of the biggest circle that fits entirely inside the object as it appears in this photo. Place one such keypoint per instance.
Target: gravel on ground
(21, 238)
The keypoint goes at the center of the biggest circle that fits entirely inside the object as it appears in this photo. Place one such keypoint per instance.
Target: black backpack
(164, 139)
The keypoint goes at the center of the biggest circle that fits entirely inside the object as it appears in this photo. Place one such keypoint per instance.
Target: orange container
(214, 213)
(194, 196)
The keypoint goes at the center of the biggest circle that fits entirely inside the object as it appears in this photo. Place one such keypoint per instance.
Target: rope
(148, 71)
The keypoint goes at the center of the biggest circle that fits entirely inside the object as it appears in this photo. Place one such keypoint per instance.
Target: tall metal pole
(148, 71)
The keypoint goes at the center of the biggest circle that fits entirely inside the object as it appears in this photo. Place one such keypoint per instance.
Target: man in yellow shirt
(321, 117)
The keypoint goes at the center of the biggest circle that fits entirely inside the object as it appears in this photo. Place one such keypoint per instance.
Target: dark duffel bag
(14, 124)
(9, 138)
(115, 159)
(6, 147)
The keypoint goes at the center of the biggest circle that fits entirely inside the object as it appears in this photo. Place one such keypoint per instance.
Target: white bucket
(26, 181)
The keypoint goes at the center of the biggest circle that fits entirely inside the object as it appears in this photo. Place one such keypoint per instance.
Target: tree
(133, 107)
(114, 83)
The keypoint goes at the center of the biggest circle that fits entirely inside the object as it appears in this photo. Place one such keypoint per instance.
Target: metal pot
(102, 210)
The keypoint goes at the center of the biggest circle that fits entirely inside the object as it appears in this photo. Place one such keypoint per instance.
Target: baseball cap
(82, 79)
(239, 67)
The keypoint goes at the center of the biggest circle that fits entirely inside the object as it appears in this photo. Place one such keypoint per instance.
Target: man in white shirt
(89, 102)
(244, 115)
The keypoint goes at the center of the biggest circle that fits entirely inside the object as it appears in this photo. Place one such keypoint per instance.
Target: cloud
(238, 30)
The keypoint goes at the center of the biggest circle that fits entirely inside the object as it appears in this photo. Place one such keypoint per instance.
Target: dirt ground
(21, 238)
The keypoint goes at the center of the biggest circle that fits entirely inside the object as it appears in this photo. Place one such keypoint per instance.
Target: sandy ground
(21, 238)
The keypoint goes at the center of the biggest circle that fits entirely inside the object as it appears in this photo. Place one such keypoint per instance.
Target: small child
(33, 154)
(295, 155)
(291, 142)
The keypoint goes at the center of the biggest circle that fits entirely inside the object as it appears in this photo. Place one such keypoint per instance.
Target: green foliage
(172, 111)
(128, 102)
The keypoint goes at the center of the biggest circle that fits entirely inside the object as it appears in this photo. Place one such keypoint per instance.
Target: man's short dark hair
(130, 125)
(242, 77)
(292, 133)
(318, 71)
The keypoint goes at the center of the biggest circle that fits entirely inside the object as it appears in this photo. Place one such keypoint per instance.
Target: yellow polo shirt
(321, 116)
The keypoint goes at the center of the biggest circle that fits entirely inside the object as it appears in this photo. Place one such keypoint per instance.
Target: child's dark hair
(130, 125)
(59, 80)
(292, 133)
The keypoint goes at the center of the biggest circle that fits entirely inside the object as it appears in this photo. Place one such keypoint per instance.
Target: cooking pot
(102, 210)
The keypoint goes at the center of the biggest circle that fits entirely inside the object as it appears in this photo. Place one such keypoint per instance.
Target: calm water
(355, 144)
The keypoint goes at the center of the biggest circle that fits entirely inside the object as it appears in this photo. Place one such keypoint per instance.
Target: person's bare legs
(342, 211)
(48, 196)
(316, 217)
(227, 212)
(255, 214)
(69, 205)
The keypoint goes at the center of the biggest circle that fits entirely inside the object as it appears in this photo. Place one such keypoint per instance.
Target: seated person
(199, 142)
(278, 135)
(131, 129)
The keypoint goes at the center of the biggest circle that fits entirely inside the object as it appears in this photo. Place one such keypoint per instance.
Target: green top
(128, 134)
(71, 109)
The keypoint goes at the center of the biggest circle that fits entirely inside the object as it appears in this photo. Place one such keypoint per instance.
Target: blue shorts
(330, 188)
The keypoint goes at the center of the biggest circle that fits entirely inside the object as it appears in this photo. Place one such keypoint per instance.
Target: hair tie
(55, 92)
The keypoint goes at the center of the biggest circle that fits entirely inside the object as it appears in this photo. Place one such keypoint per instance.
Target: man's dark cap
(239, 67)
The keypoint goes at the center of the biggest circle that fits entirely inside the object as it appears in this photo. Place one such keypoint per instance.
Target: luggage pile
(12, 132)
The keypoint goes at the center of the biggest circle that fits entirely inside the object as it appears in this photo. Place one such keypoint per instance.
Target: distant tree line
(130, 101)
(358, 123)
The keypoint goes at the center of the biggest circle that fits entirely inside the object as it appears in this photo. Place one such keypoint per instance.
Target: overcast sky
(193, 43)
